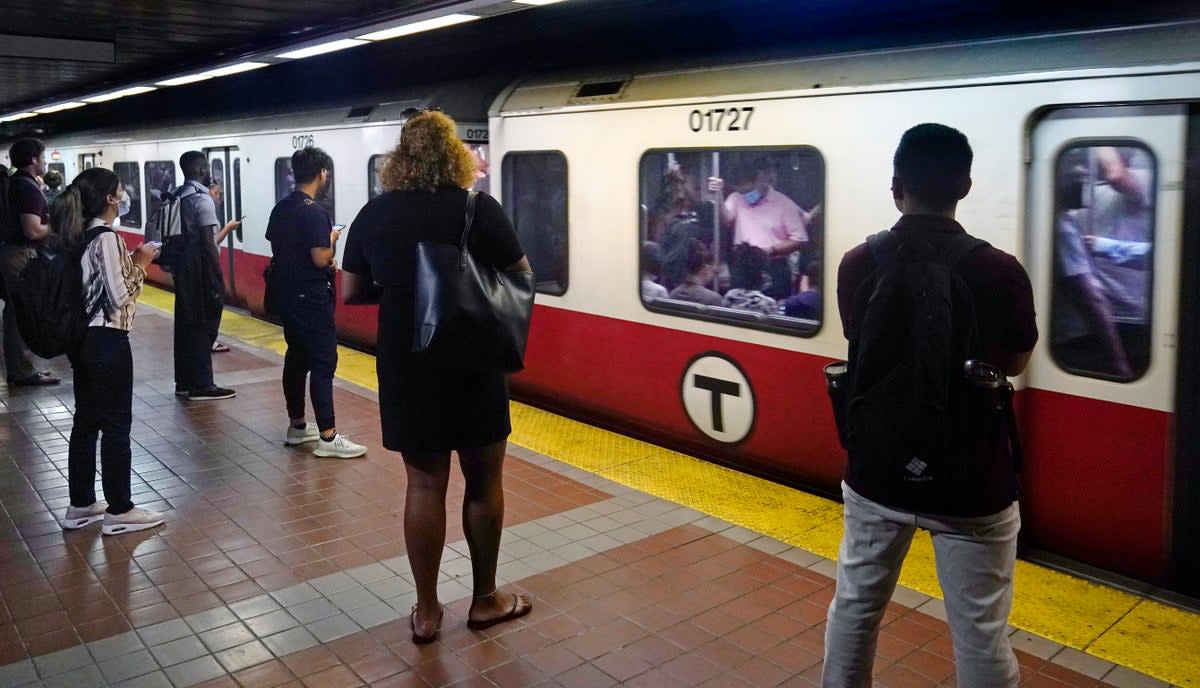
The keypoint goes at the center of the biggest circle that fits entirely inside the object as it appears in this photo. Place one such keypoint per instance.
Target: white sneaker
(133, 520)
(80, 516)
(339, 448)
(293, 436)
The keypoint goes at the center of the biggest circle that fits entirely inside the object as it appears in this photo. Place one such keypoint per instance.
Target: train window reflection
(374, 175)
(1103, 260)
(734, 235)
(160, 178)
(131, 180)
(285, 183)
(535, 195)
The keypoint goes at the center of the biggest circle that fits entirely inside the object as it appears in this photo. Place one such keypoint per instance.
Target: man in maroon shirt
(30, 226)
(974, 526)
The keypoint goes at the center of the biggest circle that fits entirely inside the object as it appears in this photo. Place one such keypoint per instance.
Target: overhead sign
(717, 397)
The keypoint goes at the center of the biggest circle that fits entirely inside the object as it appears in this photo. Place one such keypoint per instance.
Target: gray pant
(975, 559)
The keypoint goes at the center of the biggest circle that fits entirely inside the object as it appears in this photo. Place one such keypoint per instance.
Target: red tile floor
(681, 606)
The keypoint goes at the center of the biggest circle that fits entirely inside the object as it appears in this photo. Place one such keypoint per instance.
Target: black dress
(424, 407)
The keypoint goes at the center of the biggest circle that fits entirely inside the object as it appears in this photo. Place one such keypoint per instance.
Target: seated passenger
(746, 276)
(699, 273)
(652, 271)
(806, 302)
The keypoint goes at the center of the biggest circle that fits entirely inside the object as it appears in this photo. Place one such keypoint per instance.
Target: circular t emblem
(718, 398)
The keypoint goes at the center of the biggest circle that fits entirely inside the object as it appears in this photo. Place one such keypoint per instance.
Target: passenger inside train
(1104, 212)
(763, 209)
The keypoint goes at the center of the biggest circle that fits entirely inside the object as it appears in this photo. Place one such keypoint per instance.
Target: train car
(1087, 162)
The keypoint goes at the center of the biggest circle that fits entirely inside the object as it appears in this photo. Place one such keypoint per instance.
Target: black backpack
(907, 399)
(48, 299)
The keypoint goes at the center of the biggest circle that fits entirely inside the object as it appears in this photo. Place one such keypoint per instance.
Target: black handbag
(466, 314)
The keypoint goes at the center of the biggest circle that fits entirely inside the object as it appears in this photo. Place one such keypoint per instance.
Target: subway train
(1087, 168)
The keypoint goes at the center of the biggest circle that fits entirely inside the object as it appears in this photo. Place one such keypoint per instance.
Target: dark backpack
(168, 227)
(906, 396)
(48, 299)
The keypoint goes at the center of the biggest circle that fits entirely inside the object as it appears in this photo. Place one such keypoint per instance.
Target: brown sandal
(513, 613)
(417, 638)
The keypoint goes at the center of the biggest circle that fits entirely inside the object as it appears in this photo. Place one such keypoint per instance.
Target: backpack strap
(958, 247)
(468, 220)
(882, 246)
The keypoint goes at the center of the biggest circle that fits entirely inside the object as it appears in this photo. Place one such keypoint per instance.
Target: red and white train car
(591, 168)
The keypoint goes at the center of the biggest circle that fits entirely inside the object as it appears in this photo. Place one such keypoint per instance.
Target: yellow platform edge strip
(1141, 634)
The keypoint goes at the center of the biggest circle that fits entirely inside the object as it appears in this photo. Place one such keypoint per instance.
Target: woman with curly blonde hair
(428, 410)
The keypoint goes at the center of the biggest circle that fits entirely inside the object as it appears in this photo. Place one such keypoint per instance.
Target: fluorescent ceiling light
(332, 46)
(60, 107)
(19, 115)
(181, 80)
(120, 94)
(536, 2)
(236, 68)
(417, 27)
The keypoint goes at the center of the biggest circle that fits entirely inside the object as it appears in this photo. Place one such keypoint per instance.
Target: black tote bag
(466, 314)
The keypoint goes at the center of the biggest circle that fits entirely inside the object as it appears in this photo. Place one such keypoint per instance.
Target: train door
(1186, 570)
(1105, 215)
(225, 166)
(87, 161)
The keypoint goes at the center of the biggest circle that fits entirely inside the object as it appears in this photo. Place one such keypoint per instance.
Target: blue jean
(975, 559)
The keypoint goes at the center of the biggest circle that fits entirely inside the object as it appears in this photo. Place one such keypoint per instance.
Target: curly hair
(429, 155)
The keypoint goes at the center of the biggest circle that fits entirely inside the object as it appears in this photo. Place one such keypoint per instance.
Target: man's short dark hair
(746, 267)
(193, 163)
(933, 164)
(308, 162)
(25, 151)
(748, 172)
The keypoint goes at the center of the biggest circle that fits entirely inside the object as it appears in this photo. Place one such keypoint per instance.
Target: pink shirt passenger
(774, 219)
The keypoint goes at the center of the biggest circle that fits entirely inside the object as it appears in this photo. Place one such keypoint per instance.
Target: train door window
(375, 175)
(131, 180)
(216, 168)
(87, 161)
(1103, 259)
(734, 235)
(237, 187)
(160, 178)
(535, 195)
(60, 168)
(285, 183)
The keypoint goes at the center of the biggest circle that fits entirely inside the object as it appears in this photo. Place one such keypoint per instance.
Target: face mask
(753, 196)
(123, 205)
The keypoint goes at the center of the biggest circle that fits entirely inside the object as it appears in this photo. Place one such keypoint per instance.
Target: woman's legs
(110, 361)
(85, 431)
(425, 531)
(483, 522)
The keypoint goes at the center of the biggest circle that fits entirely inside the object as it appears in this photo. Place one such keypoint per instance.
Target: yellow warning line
(1123, 628)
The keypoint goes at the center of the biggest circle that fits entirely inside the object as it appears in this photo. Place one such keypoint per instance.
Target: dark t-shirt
(383, 239)
(27, 199)
(298, 225)
(1007, 325)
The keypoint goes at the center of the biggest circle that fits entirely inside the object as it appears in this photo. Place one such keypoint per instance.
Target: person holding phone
(102, 363)
(303, 244)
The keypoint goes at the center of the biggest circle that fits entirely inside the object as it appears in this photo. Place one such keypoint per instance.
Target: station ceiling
(154, 40)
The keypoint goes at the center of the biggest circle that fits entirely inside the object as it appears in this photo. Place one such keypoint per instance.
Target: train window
(535, 195)
(217, 171)
(61, 168)
(1103, 259)
(374, 175)
(160, 178)
(285, 183)
(131, 181)
(734, 235)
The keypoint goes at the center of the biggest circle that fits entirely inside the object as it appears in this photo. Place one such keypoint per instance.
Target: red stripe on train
(1095, 472)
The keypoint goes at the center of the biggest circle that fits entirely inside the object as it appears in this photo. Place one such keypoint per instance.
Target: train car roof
(1021, 58)
(466, 101)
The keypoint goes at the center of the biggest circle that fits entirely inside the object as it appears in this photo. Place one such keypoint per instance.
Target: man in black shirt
(303, 243)
(30, 226)
(974, 525)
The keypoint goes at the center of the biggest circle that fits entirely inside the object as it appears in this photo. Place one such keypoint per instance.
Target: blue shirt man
(199, 287)
(303, 242)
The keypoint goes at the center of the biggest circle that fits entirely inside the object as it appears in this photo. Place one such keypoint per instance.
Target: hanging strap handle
(472, 196)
